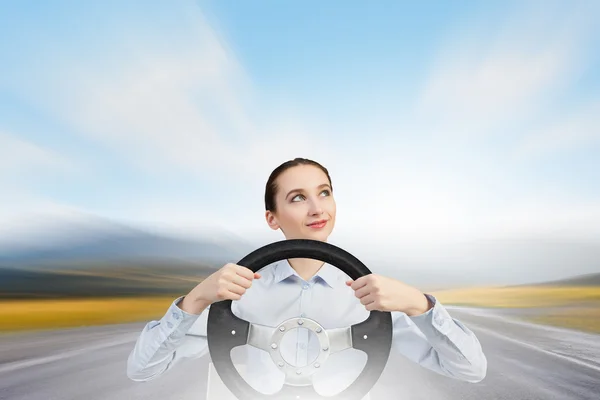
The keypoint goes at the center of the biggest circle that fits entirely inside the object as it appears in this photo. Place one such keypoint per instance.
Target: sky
(449, 128)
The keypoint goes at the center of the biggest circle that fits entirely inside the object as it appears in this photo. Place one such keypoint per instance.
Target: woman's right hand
(228, 283)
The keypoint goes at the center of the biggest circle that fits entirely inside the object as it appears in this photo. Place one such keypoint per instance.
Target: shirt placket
(303, 334)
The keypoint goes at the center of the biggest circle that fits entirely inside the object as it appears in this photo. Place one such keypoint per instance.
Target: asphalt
(525, 361)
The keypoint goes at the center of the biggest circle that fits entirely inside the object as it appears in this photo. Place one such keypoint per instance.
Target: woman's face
(304, 203)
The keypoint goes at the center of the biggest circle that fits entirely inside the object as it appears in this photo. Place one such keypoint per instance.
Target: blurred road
(525, 362)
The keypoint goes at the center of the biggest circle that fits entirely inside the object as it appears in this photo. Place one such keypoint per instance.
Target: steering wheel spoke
(339, 339)
(260, 336)
(295, 376)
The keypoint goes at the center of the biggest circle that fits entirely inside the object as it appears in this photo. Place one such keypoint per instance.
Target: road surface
(525, 361)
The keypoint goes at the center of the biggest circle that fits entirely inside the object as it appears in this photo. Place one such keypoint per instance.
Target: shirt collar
(328, 273)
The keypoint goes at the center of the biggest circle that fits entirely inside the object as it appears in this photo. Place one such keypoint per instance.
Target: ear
(271, 220)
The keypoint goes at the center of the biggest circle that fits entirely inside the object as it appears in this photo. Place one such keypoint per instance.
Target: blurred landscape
(106, 259)
(570, 303)
(95, 274)
(100, 272)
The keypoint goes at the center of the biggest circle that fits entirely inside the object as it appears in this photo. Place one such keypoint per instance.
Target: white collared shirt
(434, 339)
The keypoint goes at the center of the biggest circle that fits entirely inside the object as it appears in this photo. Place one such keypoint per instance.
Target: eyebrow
(321, 186)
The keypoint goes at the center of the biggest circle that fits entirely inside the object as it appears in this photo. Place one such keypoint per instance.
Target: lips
(318, 224)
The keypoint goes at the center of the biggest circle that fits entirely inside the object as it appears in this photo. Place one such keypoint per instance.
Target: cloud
(20, 158)
(496, 92)
(23, 166)
(26, 169)
(168, 101)
(24, 213)
(562, 133)
(486, 77)
(170, 104)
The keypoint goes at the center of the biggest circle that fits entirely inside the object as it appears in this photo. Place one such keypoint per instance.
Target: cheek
(291, 216)
(332, 209)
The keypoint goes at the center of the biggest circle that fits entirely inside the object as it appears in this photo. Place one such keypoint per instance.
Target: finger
(245, 272)
(257, 275)
(366, 300)
(225, 294)
(362, 292)
(360, 282)
(234, 296)
(241, 281)
(236, 289)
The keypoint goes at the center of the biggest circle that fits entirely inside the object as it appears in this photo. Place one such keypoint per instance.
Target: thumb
(349, 282)
(256, 275)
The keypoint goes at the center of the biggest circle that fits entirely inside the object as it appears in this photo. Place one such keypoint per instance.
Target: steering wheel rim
(225, 330)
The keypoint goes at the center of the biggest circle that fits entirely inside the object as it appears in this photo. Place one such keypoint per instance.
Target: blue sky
(440, 122)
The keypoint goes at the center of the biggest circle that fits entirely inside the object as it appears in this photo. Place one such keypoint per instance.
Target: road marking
(533, 347)
(485, 313)
(16, 365)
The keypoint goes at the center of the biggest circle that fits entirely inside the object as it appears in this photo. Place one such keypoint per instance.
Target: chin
(321, 236)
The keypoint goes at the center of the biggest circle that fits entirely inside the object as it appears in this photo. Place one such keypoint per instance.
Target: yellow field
(575, 307)
(524, 296)
(572, 307)
(16, 315)
(584, 319)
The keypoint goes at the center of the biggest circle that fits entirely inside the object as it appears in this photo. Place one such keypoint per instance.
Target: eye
(297, 197)
(327, 192)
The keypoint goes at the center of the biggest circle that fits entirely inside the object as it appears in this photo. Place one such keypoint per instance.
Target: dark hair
(271, 187)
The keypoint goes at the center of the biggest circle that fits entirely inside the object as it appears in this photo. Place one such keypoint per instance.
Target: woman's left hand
(377, 292)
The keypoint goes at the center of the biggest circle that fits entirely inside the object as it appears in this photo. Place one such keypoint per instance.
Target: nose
(315, 208)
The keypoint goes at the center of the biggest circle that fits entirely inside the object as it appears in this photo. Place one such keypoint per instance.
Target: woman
(299, 201)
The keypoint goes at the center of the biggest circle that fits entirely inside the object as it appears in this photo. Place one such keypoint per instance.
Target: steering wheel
(226, 331)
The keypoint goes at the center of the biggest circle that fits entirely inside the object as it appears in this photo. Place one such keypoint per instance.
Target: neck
(305, 267)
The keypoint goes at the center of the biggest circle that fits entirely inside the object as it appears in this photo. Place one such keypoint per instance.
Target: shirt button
(175, 315)
(169, 324)
(305, 287)
(303, 315)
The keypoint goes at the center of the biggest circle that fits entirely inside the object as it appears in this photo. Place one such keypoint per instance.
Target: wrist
(421, 306)
(193, 305)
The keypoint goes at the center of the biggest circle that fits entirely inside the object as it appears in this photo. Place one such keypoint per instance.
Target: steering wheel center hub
(297, 375)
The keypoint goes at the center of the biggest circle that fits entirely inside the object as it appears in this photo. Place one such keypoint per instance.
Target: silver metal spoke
(295, 376)
(268, 338)
(260, 336)
(339, 339)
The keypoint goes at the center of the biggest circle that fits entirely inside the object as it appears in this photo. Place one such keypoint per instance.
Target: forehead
(301, 177)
